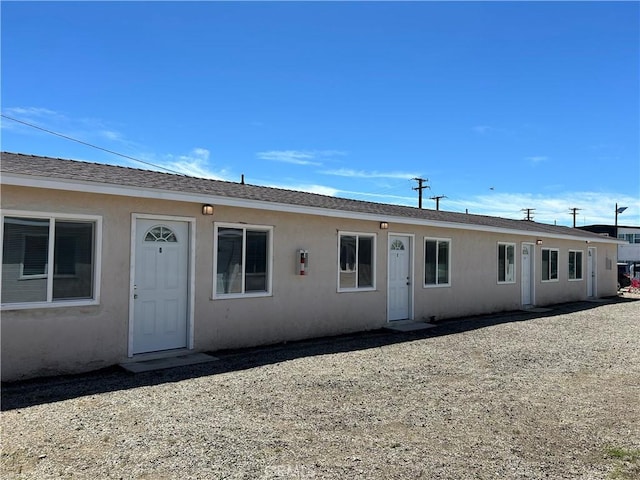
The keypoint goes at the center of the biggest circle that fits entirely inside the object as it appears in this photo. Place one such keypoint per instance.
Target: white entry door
(591, 272)
(160, 289)
(527, 279)
(399, 277)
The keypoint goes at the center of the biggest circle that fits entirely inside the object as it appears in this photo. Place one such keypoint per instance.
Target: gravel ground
(511, 396)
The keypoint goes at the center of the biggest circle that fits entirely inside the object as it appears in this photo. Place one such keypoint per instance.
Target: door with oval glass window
(160, 289)
(399, 288)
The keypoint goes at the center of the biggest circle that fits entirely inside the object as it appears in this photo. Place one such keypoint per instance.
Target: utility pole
(529, 213)
(437, 199)
(419, 188)
(574, 213)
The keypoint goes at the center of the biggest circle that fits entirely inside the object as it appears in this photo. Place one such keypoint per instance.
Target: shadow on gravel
(29, 393)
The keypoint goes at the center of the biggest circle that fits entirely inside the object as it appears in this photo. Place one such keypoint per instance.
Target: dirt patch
(511, 396)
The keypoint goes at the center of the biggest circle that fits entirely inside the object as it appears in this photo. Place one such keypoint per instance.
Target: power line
(90, 144)
(391, 188)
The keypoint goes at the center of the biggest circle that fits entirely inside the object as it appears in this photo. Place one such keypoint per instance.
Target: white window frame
(244, 227)
(549, 280)
(506, 265)
(424, 252)
(374, 251)
(52, 217)
(632, 238)
(581, 272)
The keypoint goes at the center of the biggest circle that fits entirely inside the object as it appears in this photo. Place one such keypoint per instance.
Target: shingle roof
(79, 171)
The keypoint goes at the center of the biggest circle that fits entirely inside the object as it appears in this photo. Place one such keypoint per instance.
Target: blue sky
(500, 105)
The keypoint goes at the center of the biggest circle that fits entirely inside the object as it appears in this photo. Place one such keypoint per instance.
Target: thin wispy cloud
(346, 172)
(382, 197)
(95, 131)
(309, 188)
(90, 130)
(111, 135)
(42, 117)
(289, 156)
(595, 207)
(336, 192)
(330, 153)
(488, 130)
(31, 112)
(195, 164)
(299, 157)
(551, 206)
(537, 159)
(482, 129)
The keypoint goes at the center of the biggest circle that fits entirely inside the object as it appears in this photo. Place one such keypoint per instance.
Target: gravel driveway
(511, 396)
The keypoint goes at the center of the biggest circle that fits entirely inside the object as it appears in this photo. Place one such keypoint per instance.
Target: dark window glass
(242, 261)
(229, 263)
(443, 262)
(575, 265)
(549, 264)
(436, 262)
(256, 270)
(73, 260)
(36, 251)
(430, 262)
(365, 262)
(356, 261)
(26, 260)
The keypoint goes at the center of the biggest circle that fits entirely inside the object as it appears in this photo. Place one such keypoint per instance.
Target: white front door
(527, 274)
(399, 277)
(160, 290)
(591, 272)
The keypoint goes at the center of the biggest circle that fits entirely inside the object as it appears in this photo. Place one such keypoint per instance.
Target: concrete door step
(409, 326)
(167, 362)
(536, 309)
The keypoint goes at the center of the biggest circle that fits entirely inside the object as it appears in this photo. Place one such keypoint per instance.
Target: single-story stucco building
(102, 263)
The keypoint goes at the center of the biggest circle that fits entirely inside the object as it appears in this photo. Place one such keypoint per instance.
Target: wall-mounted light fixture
(384, 225)
(207, 209)
(538, 242)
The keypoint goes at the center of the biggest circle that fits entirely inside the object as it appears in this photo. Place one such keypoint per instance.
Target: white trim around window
(356, 261)
(437, 268)
(47, 297)
(506, 263)
(575, 266)
(550, 265)
(242, 260)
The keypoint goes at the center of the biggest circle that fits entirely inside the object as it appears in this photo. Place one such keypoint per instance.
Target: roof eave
(162, 194)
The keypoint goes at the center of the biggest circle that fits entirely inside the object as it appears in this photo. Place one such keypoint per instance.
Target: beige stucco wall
(44, 341)
(474, 286)
(474, 279)
(301, 306)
